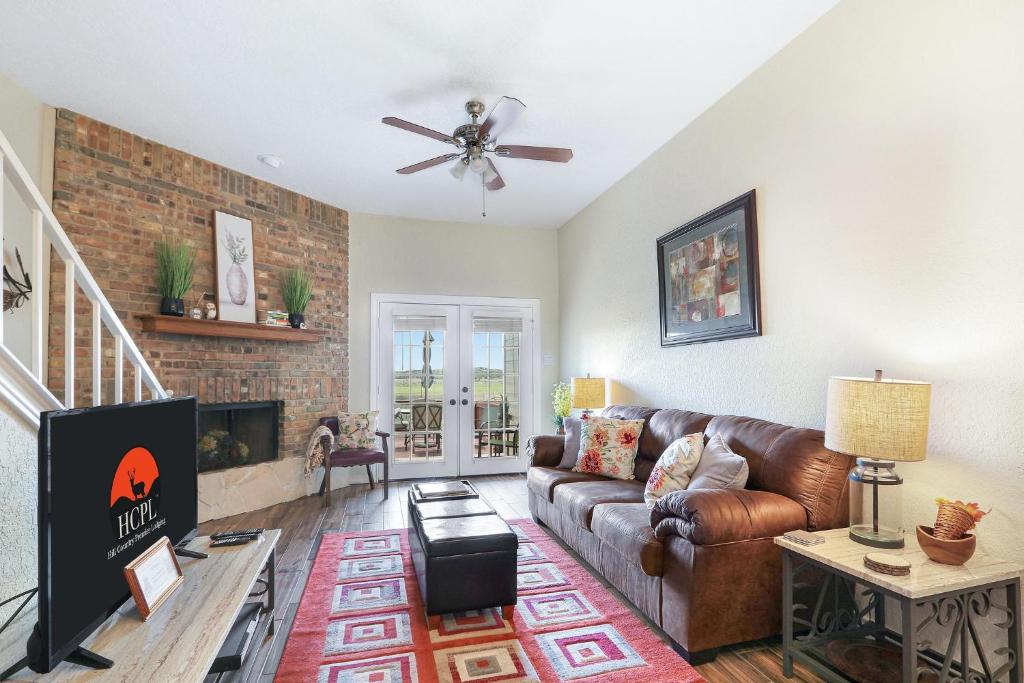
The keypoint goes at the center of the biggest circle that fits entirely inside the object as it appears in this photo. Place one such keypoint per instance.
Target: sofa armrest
(713, 516)
(545, 450)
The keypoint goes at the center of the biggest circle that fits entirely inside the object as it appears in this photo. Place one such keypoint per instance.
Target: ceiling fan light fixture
(477, 164)
(458, 169)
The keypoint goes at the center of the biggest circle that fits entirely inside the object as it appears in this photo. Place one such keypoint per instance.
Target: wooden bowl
(946, 552)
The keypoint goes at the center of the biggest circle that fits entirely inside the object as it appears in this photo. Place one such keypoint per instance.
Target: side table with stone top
(843, 599)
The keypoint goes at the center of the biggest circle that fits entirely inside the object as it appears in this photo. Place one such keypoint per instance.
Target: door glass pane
(496, 387)
(418, 388)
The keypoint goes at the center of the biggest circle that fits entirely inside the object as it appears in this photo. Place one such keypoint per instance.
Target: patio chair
(425, 417)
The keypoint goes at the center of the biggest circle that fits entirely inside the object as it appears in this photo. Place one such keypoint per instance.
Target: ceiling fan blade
(496, 182)
(416, 128)
(559, 154)
(427, 164)
(503, 115)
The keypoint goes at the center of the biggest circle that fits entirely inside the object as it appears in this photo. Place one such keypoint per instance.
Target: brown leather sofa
(702, 564)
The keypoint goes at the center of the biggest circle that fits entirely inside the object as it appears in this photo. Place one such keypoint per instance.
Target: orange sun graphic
(138, 465)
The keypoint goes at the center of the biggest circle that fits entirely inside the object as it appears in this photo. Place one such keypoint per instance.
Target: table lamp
(880, 422)
(588, 393)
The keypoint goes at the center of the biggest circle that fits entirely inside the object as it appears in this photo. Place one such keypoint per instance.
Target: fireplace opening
(237, 434)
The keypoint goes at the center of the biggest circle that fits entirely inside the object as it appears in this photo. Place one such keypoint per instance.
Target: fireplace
(237, 434)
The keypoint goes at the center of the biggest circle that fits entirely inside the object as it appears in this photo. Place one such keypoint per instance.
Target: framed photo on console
(153, 576)
(708, 287)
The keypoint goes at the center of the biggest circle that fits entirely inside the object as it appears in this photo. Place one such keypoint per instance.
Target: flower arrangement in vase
(948, 541)
(561, 404)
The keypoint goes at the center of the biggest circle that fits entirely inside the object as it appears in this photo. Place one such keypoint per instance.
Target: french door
(454, 386)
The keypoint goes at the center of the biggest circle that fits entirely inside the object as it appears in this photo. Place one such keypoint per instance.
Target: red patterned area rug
(361, 621)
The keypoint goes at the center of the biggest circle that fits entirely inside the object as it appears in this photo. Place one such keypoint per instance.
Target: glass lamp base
(883, 538)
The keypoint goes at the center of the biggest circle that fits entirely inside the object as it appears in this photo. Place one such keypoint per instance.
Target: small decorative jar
(196, 313)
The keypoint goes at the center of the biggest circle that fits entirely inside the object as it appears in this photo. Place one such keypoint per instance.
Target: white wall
(18, 467)
(408, 256)
(23, 120)
(886, 145)
(28, 125)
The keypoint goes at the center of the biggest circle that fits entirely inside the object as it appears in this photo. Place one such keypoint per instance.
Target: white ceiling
(309, 82)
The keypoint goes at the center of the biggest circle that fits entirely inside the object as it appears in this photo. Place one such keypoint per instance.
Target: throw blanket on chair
(320, 445)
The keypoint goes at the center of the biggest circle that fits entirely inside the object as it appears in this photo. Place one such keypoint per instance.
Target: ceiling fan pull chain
(483, 196)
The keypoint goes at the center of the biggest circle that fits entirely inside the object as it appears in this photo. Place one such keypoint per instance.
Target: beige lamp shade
(885, 419)
(588, 392)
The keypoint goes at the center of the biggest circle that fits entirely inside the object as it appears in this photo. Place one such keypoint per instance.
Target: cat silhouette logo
(135, 492)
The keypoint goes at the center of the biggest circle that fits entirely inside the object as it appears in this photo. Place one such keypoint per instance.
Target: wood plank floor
(357, 508)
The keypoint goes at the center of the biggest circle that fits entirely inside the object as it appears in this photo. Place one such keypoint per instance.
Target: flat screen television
(112, 480)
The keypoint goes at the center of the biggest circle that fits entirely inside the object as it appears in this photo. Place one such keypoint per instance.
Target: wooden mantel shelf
(169, 324)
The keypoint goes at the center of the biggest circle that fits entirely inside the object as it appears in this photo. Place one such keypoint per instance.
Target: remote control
(237, 540)
(239, 532)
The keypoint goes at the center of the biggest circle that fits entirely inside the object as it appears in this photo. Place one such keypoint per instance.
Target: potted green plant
(297, 290)
(561, 404)
(176, 263)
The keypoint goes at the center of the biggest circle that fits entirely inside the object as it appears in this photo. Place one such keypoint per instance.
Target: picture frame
(153, 576)
(236, 277)
(708, 277)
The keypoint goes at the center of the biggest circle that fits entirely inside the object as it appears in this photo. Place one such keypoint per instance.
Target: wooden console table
(944, 603)
(183, 637)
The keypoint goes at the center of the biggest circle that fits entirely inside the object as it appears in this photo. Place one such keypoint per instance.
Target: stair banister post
(3, 252)
(118, 369)
(38, 319)
(97, 358)
(69, 334)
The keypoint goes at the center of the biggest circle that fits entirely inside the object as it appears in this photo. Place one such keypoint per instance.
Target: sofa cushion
(573, 431)
(608, 447)
(626, 527)
(675, 467)
(792, 462)
(664, 427)
(719, 467)
(543, 480)
(577, 500)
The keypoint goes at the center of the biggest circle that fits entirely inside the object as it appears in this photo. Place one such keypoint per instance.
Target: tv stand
(182, 639)
(83, 657)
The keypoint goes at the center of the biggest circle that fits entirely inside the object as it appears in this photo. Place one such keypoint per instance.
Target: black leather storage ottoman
(464, 554)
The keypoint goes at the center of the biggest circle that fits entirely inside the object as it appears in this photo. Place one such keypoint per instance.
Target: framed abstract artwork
(708, 278)
(236, 280)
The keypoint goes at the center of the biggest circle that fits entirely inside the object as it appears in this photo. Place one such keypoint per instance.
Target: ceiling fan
(476, 141)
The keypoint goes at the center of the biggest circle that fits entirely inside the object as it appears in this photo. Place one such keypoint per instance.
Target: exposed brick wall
(117, 194)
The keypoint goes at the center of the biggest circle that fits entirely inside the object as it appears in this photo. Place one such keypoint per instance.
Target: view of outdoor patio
(419, 388)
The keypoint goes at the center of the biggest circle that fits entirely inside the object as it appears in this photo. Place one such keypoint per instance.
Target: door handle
(451, 402)
(465, 401)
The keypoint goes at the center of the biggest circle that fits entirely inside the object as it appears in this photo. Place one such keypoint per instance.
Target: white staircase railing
(24, 388)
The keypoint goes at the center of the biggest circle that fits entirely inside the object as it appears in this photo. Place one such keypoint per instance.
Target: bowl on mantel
(947, 552)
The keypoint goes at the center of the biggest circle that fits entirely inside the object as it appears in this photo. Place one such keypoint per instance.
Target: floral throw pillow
(674, 468)
(357, 430)
(608, 447)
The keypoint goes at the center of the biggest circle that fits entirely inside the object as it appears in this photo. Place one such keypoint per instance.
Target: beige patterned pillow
(674, 468)
(357, 430)
(608, 447)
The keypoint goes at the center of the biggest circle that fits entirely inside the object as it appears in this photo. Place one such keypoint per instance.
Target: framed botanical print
(236, 279)
(707, 276)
